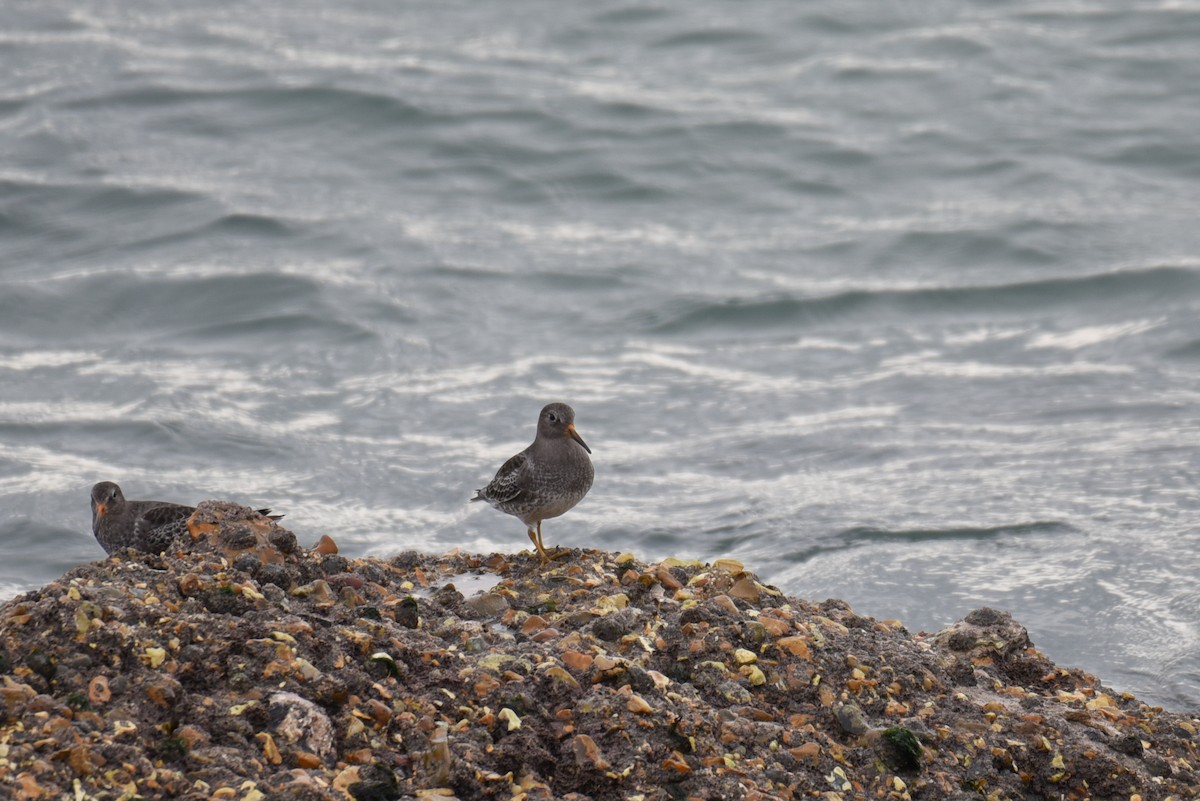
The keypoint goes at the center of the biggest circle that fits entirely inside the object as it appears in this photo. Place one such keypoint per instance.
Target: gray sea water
(893, 302)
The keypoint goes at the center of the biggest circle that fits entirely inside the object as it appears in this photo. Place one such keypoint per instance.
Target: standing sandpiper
(547, 478)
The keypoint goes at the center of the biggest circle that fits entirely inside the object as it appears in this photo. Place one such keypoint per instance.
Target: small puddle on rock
(468, 584)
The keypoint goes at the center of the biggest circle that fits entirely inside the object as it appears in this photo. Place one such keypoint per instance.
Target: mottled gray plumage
(149, 526)
(546, 479)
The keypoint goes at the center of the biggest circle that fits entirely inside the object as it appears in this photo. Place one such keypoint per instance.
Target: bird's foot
(537, 545)
(557, 553)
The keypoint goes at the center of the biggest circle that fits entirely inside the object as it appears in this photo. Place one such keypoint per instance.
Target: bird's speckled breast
(554, 486)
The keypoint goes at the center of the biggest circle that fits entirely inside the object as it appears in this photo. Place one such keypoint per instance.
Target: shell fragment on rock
(301, 722)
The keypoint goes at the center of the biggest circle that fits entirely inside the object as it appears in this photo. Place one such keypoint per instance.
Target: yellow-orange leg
(546, 555)
(536, 538)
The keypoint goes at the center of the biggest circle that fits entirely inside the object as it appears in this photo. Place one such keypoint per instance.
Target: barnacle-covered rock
(246, 667)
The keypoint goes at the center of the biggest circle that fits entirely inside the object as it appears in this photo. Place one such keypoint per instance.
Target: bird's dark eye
(552, 418)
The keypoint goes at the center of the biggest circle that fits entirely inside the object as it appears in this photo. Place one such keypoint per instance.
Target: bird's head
(106, 496)
(558, 420)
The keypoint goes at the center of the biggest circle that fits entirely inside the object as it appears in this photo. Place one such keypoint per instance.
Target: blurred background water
(895, 303)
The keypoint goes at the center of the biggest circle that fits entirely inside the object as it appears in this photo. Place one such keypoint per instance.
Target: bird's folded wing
(157, 527)
(164, 514)
(507, 484)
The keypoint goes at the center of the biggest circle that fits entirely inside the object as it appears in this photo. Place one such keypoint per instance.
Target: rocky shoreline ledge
(240, 666)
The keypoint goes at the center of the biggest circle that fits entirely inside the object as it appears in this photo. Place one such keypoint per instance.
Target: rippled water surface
(893, 303)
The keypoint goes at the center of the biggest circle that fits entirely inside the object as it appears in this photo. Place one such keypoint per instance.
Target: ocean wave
(168, 317)
(875, 535)
(257, 105)
(1119, 288)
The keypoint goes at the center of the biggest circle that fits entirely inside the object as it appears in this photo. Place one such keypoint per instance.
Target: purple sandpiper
(546, 479)
(149, 526)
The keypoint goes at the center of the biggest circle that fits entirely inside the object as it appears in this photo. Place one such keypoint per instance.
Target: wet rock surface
(277, 672)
